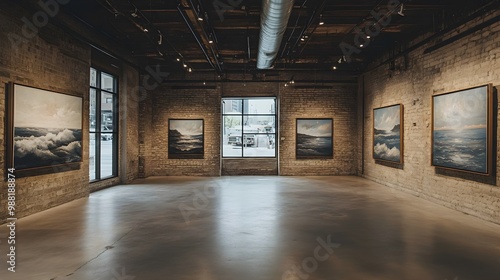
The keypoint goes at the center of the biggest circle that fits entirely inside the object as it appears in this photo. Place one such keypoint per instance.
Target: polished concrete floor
(252, 228)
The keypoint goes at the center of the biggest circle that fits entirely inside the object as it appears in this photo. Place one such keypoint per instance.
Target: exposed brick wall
(339, 103)
(129, 124)
(250, 166)
(170, 103)
(53, 61)
(468, 62)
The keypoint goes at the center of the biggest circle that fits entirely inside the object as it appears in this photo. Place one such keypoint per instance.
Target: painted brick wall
(468, 62)
(338, 102)
(53, 61)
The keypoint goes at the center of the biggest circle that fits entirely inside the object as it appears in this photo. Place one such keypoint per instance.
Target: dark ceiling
(223, 35)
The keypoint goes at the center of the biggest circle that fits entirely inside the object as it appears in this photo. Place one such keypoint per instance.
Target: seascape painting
(461, 130)
(387, 131)
(47, 128)
(185, 139)
(314, 138)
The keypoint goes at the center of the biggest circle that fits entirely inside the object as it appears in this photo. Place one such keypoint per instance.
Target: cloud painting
(47, 128)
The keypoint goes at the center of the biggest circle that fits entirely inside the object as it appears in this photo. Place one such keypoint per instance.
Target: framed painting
(388, 131)
(44, 131)
(462, 130)
(185, 139)
(314, 138)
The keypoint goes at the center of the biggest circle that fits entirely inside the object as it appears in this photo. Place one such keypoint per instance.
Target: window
(103, 126)
(249, 127)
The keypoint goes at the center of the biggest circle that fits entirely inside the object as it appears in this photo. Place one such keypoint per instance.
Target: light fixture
(184, 65)
(204, 83)
(160, 39)
(178, 59)
(302, 39)
(190, 70)
(145, 29)
(368, 36)
(401, 10)
(334, 67)
(200, 18)
(361, 45)
(134, 14)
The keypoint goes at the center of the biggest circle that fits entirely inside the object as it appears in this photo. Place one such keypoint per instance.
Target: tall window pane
(103, 126)
(249, 128)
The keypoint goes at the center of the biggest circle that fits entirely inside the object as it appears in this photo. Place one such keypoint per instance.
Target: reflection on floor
(239, 228)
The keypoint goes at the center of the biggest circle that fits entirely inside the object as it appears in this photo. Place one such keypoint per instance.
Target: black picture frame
(44, 131)
(186, 138)
(314, 138)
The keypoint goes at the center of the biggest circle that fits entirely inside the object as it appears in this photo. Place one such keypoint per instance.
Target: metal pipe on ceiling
(191, 28)
(274, 20)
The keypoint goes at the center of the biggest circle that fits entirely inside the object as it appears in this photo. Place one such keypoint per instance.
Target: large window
(103, 125)
(249, 127)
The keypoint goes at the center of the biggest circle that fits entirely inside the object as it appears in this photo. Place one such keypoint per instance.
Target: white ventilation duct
(273, 22)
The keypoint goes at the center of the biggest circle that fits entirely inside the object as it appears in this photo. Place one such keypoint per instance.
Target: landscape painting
(461, 134)
(314, 138)
(46, 128)
(387, 135)
(185, 139)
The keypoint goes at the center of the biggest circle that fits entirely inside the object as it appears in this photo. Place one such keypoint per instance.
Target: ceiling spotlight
(321, 23)
(190, 70)
(302, 39)
(184, 65)
(134, 14)
(340, 60)
(401, 10)
(145, 29)
(210, 41)
(361, 45)
(200, 18)
(334, 67)
(204, 83)
(178, 59)
(368, 36)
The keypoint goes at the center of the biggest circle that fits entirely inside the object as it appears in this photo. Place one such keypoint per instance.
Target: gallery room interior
(249, 139)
